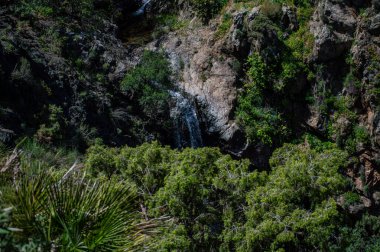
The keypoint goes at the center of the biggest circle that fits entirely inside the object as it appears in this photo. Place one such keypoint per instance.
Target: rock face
(205, 73)
(340, 30)
(76, 73)
(333, 27)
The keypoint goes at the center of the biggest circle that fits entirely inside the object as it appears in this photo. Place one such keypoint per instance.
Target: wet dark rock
(289, 18)
(374, 27)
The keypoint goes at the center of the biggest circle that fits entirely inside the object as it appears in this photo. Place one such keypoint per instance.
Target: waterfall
(141, 10)
(184, 115)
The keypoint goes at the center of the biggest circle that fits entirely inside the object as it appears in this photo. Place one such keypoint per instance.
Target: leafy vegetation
(46, 8)
(63, 209)
(206, 9)
(363, 236)
(297, 201)
(148, 83)
(260, 121)
(224, 26)
(209, 200)
(218, 203)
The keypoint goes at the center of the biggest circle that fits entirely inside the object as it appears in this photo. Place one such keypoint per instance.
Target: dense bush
(363, 236)
(101, 160)
(201, 189)
(45, 8)
(209, 201)
(260, 121)
(216, 203)
(57, 210)
(206, 9)
(296, 207)
(54, 127)
(148, 84)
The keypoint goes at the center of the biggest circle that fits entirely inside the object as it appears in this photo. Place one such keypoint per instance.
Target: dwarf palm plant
(77, 214)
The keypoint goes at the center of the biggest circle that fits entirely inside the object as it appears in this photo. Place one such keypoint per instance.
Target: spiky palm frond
(78, 214)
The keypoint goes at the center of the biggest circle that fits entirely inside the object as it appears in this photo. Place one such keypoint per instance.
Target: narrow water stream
(141, 10)
(184, 115)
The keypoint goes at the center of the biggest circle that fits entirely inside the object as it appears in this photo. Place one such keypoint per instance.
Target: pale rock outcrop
(333, 26)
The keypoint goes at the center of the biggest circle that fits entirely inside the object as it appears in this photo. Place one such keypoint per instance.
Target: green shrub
(358, 135)
(295, 209)
(100, 159)
(75, 214)
(351, 198)
(47, 8)
(203, 190)
(260, 121)
(301, 43)
(224, 26)
(53, 129)
(207, 9)
(149, 83)
(363, 236)
(317, 144)
(146, 166)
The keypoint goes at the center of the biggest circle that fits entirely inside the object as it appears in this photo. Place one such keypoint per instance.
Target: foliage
(101, 159)
(363, 236)
(275, 73)
(146, 166)
(205, 193)
(46, 8)
(4, 228)
(201, 189)
(358, 135)
(207, 9)
(350, 198)
(70, 212)
(224, 26)
(295, 208)
(53, 129)
(148, 83)
(260, 121)
(301, 43)
(75, 214)
(317, 144)
(171, 21)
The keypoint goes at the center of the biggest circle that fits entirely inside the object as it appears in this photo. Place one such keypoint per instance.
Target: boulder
(333, 26)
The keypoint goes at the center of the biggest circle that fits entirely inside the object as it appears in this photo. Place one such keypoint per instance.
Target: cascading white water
(141, 10)
(184, 114)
